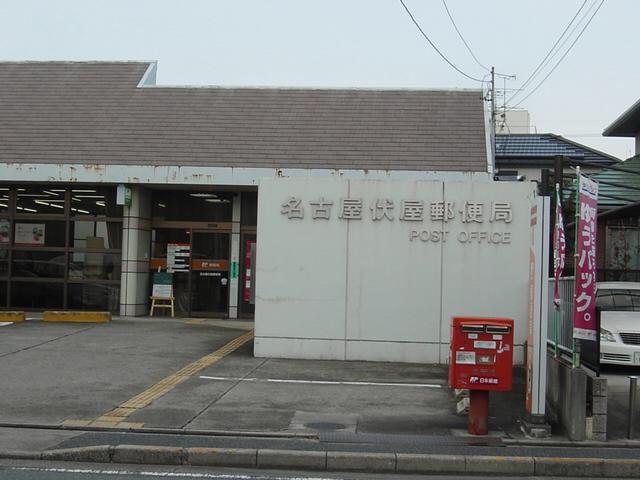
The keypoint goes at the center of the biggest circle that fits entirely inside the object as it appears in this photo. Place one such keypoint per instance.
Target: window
(192, 206)
(60, 247)
(40, 200)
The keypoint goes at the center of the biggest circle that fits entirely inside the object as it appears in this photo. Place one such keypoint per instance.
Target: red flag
(584, 304)
(559, 248)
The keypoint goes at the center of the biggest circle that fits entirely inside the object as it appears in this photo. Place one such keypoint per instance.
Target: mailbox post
(481, 360)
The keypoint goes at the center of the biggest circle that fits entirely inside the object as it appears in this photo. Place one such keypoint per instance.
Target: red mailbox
(480, 360)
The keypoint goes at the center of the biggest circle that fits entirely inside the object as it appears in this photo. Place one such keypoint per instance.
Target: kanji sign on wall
(584, 306)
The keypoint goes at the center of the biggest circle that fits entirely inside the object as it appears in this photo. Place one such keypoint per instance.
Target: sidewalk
(157, 390)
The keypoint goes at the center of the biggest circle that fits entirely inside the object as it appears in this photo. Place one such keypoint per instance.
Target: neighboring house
(619, 225)
(626, 125)
(523, 156)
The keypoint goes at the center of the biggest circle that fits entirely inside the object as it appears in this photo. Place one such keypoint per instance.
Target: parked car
(619, 322)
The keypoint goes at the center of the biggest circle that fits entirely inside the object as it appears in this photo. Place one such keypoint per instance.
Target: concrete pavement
(189, 389)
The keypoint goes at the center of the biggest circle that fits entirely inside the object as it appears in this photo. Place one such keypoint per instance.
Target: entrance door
(209, 289)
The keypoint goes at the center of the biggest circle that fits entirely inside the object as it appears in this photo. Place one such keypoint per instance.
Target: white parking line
(88, 471)
(322, 382)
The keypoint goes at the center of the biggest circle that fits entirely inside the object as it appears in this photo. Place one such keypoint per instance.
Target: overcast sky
(354, 43)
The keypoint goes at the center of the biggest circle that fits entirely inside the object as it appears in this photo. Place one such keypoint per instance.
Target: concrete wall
(567, 398)
(576, 401)
(386, 289)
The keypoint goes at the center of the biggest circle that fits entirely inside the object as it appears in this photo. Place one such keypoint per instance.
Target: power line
(434, 46)
(533, 74)
(563, 56)
(461, 37)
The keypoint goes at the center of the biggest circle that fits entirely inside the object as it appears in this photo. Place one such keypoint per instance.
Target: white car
(619, 322)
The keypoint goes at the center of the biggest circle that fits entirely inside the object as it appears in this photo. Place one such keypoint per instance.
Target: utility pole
(493, 113)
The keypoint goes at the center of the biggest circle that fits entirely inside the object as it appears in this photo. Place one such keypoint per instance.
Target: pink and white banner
(584, 306)
(559, 248)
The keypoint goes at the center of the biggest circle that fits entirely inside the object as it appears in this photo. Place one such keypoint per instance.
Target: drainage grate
(325, 426)
(413, 440)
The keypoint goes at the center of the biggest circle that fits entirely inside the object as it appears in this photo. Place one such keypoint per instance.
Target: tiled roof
(95, 113)
(540, 149)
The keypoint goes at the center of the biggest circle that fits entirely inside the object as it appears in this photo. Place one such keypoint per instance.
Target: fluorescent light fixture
(48, 204)
(51, 192)
(203, 195)
(83, 191)
(2, 205)
(162, 205)
(90, 196)
(27, 209)
(100, 203)
(78, 210)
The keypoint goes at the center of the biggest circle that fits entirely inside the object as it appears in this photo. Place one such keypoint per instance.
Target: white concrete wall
(363, 289)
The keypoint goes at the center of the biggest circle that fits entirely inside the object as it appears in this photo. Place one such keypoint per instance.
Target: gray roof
(540, 149)
(95, 113)
(627, 124)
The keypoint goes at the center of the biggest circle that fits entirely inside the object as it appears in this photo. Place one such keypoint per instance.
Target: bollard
(633, 385)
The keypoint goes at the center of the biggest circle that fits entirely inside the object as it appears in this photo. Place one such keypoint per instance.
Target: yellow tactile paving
(12, 316)
(116, 417)
(76, 317)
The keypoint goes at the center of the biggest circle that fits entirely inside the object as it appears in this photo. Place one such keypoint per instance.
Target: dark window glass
(93, 296)
(160, 237)
(38, 264)
(208, 245)
(94, 266)
(3, 294)
(192, 206)
(96, 235)
(37, 295)
(249, 209)
(5, 232)
(33, 200)
(4, 200)
(209, 291)
(95, 201)
(39, 233)
(4, 263)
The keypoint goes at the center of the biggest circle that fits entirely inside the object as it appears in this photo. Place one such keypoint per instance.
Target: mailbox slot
(472, 328)
(497, 329)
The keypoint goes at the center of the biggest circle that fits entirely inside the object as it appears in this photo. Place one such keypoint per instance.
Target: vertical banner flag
(559, 247)
(584, 305)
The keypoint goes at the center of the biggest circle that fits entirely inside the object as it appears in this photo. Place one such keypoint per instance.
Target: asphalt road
(22, 470)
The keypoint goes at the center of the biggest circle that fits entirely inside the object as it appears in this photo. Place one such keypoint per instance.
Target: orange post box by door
(481, 360)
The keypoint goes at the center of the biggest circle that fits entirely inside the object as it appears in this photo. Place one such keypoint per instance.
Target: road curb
(621, 443)
(339, 461)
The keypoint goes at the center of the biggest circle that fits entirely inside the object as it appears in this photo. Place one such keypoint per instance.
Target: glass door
(209, 282)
